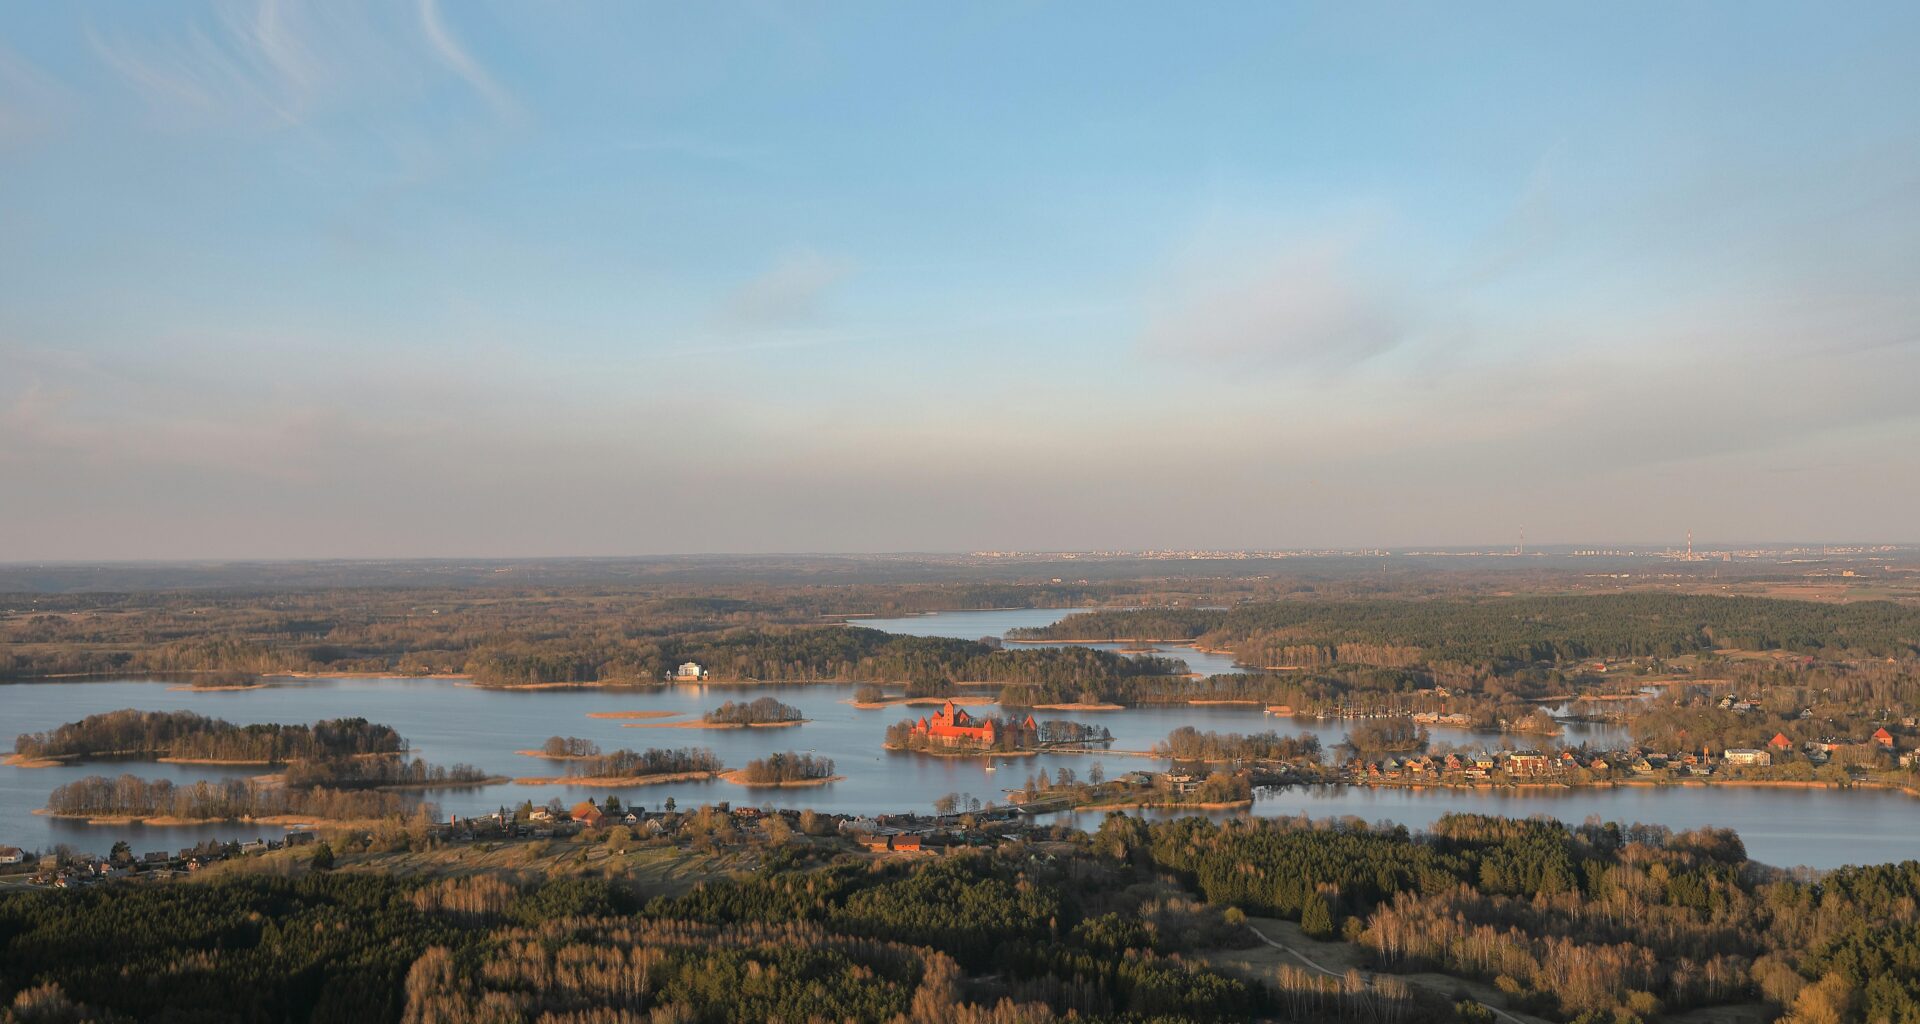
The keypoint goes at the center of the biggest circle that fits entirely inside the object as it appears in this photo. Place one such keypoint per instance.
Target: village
(1572, 766)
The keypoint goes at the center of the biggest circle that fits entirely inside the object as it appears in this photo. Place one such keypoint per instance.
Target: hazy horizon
(289, 281)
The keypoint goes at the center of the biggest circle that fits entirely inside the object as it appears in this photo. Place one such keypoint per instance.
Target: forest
(1503, 634)
(778, 768)
(130, 796)
(189, 736)
(381, 771)
(632, 764)
(761, 711)
(1598, 923)
(1189, 744)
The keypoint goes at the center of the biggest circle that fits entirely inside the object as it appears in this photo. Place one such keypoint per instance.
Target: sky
(287, 280)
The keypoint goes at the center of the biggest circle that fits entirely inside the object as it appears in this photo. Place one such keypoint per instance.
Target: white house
(1749, 756)
(689, 672)
(11, 855)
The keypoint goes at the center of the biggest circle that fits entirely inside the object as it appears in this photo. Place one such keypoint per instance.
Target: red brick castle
(952, 727)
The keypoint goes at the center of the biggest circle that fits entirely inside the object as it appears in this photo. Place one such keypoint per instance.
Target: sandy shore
(1218, 805)
(734, 777)
(555, 757)
(614, 781)
(360, 675)
(166, 821)
(1248, 703)
(703, 724)
(870, 705)
(634, 714)
(1079, 706)
(1107, 640)
(216, 689)
(24, 761)
(491, 780)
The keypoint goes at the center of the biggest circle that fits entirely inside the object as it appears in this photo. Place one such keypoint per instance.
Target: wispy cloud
(790, 294)
(278, 63)
(451, 53)
(1306, 306)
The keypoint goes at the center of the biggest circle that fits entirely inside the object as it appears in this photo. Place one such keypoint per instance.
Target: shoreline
(1633, 783)
(168, 821)
(734, 777)
(614, 781)
(703, 724)
(945, 752)
(1211, 805)
(491, 780)
(362, 675)
(29, 761)
(1080, 706)
(967, 702)
(634, 714)
(190, 688)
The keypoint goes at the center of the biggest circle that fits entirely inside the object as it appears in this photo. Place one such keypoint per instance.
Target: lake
(449, 722)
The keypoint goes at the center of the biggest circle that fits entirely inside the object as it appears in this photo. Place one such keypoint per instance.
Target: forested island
(626, 767)
(159, 801)
(1189, 744)
(186, 736)
(763, 711)
(786, 769)
(953, 730)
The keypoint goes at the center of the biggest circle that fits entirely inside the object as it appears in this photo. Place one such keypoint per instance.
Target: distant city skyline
(285, 280)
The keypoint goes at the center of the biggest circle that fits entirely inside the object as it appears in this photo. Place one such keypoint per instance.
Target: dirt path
(1303, 958)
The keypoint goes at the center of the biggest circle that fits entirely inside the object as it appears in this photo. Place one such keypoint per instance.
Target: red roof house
(1883, 737)
(1780, 742)
(587, 814)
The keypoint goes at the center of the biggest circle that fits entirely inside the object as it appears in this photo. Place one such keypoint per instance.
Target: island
(636, 768)
(952, 730)
(787, 769)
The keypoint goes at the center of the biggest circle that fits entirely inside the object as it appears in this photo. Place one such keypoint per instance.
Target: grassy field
(652, 870)
(1259, 962)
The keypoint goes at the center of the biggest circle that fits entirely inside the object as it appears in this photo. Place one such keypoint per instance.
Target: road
(1305, 959)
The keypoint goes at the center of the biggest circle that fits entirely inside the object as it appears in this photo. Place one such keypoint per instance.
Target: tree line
(786, 767)
(184, 734)
(98, 796)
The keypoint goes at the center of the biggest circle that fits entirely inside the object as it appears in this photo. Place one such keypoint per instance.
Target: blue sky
(485, 279)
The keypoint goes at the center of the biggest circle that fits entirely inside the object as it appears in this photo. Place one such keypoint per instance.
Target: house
(155, 857)
(1748, 756)
(1183, 783)
(892, 844)
(1883, 738)
(587, 814)
(688, 672)
(1526, 762)
(1780, 742)
(12, 855)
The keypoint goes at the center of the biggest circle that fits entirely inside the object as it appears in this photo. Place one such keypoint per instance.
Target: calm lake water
(448, 723)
